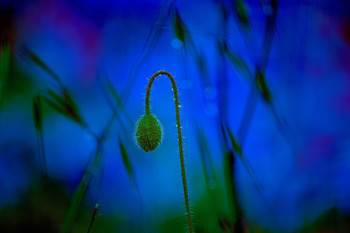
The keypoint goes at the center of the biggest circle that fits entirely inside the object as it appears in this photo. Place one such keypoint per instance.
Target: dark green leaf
(54, 105)
(262, 86)
(4, 64)
(64, 105)
(179, 27)
(231, 191)
(230, 159)
(36, 59)
(37, 113)
(241, 12)
(118, 100)
(236, 147)
(125, 158)
(207, 163)
(114, 94)
(72, 107)
(80, 192)
(236, 60)
(56, 97)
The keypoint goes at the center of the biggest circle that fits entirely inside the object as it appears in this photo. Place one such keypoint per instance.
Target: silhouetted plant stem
(38, 120)
(93, 218)
(89, 172)
(41, 149)
(179, 136)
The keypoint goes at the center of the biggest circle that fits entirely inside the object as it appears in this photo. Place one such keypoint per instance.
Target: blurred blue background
(263, 83)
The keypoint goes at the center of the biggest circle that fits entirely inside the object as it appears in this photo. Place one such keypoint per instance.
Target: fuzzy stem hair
(179, 136)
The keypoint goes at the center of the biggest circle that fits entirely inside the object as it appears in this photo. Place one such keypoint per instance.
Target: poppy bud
(149, 133)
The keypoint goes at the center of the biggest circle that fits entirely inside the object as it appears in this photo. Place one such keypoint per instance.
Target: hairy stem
(179, 136)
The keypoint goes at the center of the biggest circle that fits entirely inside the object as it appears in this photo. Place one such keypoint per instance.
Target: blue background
(297, 145)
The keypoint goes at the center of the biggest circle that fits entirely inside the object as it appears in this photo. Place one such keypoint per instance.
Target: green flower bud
(148, 133)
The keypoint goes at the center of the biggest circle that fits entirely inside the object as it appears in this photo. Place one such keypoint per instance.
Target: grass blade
(236, 209)
(93, 218)
(262, 86)
(38, 123)
(125, 157)
(271, 12)
(241, 10)
(64, 105)
(37, 113)
(4, 64)
(151, 41)
(236, 60)
(207, 163)
(4, 69)
(79, 194)
(179, 27)
(248, 168)
(236, 147)
(118, 100)
(38, 61)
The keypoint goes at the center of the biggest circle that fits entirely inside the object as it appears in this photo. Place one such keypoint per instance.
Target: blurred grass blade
(37, 60)
(118, 100)
(222, 77)
(281, 123)
(231, 190)
(4, 64)
(37, 113)
(38, 123)
(79, 194)
(89, 173)
(207, 163)
(226, 224)
(257, 86)
(54, 105)
(125, 157)
(184, 35)
(230, 184)
(179, 27)
(236, 60)
(235, 146)
(248, 168)
(201, 64)
(262, 86)
(56, 97)
(72, 106)
(64, 105)
(241, 10)
(271, 11)
(247, 115)
(4, 70)
(114, 94)
(150, 42)
(75, 205)
(284, 129)
(93, 217)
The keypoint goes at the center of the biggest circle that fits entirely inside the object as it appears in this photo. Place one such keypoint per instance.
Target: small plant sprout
(149, 134)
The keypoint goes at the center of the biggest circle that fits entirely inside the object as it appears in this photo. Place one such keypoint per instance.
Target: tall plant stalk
(149, 132)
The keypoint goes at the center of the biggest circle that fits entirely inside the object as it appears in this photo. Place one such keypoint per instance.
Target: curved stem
(179, 136)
